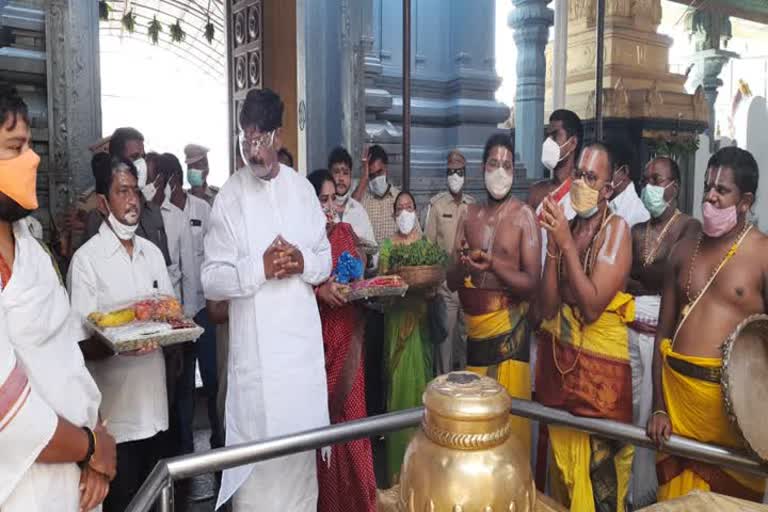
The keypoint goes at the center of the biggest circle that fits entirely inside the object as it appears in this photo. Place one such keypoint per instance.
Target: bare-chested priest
(498, 270)
(713, 282)
(583, 353)
(652, 242)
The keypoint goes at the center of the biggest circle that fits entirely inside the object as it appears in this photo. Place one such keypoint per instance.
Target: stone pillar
(560, 54)
(710, 32)
(74, 94)
(530, 19)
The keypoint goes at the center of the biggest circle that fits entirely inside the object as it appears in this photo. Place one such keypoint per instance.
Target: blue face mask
(195, 177)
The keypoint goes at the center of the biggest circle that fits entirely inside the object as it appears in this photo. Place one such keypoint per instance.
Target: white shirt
(101, 275)
(630, 206)
(355, 215)
(276, 367)
(185, 230)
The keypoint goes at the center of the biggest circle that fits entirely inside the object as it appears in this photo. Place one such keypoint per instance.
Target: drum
(744, 381)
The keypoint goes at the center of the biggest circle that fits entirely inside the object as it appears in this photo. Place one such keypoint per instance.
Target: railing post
(166, 497)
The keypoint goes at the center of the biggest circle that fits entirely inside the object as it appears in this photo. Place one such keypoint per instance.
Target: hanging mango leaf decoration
(209, 31)
(154, 29)
(177, 33)
(104, 10)
(129, 21)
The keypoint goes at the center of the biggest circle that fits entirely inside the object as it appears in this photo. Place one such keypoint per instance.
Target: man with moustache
(652, 242)
(497, 273)
(48, 400)
(713, 282)
(350, 210)
(265, 249)
(117, 267)
(583, 353)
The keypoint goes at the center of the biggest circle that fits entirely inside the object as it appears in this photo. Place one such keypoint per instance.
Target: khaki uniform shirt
(443, 218)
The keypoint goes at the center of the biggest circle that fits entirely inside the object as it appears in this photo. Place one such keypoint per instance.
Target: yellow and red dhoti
(695, 405)
(584, 369)
(498, 346)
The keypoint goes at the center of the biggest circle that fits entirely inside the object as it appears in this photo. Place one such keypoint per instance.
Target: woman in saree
(345, 471)
(407, 347)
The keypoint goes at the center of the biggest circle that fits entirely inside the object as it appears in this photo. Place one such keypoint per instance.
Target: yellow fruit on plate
(116, 318)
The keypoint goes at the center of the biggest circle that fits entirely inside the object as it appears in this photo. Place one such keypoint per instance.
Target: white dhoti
(641, 341)
(46, 487)
(287, 483)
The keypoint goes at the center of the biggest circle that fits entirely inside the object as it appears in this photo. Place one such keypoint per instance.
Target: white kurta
(27, 424)
(53, 362)
(628, 205)
(276, 375)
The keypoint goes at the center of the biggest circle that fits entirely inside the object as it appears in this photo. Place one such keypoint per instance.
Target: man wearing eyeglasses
(443, 215)
(265, 248)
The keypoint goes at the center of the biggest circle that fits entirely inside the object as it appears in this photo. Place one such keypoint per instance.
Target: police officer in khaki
(445, 210)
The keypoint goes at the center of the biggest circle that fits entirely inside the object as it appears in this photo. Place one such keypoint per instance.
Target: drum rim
(727, 386)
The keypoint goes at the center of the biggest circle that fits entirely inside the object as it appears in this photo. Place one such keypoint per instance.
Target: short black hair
(100, 163)
(375, 153)
(498, 139)
(403, 193)
(263, 109)
(318, 177)
(120, 138)
(104, 179)
(287, 154)
(624, 154)
(674, 168)
(339, 155)
(169, 166)
(572, 126)
(12, 106)
(609, 152)
(743, 164)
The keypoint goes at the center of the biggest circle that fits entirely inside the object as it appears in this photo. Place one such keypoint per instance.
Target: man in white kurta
(276, 380)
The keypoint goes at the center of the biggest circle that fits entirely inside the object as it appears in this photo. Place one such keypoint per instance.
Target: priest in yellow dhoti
(583, 346)
(715, 280)
(498, 346)
(498, 270)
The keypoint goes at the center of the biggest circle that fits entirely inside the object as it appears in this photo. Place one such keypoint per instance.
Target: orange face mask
(18, 179)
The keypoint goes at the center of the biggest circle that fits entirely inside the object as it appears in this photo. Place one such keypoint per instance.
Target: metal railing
(160, 481)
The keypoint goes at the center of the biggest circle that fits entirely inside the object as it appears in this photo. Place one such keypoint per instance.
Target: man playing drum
(713, 282)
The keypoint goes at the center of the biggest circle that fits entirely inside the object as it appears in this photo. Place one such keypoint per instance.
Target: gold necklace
(650, 256)
(587, 268)
(727, 255)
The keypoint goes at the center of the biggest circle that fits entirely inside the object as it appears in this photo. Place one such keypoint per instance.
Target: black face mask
(10, 210)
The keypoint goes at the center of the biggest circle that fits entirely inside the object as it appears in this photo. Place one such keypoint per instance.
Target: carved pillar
(709, 31)
(560, 54)
(530, 20)
(74, 94)
(353, 48)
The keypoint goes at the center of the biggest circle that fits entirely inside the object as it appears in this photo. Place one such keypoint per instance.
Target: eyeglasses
(460, 171)
(257, 143)
(589, 176)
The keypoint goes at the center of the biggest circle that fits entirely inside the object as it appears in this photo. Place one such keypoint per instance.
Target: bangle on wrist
(658, 412)
(91, 447)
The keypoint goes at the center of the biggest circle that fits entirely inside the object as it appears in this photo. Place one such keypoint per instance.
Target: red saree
(349, 483)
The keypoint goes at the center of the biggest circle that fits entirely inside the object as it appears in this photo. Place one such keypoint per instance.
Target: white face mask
(141, 171)
(550, 153)
(149, 191)
(406, 221)
(498, 182)
(123, 231)
(378, 185)
(455, 183)
(342, 200)
(167, 194)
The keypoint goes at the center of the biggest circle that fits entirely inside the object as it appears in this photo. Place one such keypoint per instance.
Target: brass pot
(464, 457)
